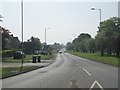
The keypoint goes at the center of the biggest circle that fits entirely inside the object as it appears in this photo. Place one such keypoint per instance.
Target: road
(67, 71)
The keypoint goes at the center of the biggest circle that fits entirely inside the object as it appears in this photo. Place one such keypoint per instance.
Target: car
(43, 53)
(18, 55)
(36, 52)
(60, 52)
(64, 51)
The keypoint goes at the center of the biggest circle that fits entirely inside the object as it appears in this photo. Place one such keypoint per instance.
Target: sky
(65, 19)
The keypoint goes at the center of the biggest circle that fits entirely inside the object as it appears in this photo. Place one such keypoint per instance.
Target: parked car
(18, 55)
(36, 52)
(43, 53)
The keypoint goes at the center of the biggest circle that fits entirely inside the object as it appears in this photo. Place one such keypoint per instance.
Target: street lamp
(45, 35)
(22, 30)
(101, 49)
(99, 11)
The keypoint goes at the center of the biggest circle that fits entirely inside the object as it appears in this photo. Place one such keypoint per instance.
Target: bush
(8, 53)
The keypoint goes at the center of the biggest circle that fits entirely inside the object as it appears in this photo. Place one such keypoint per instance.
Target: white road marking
(83, 69)
(95, 82)
(86, 71)
(78, 65)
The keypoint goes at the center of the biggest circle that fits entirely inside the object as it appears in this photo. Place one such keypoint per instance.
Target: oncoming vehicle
(60, 52)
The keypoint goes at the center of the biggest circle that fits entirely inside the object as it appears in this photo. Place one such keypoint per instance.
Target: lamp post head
(92, 8)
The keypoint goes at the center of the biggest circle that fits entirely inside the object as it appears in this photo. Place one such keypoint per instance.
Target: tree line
(10, 44)
(106, 41)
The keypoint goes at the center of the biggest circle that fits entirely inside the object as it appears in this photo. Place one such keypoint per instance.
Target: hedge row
(8, 53)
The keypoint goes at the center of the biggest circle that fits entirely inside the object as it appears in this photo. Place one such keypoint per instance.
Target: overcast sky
(65, 19)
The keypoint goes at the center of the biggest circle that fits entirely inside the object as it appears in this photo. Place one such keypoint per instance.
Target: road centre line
(86, 71)
(78, 65)
(83, 69)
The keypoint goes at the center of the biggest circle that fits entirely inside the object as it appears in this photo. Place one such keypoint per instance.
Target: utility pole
(45, 36)
(22, 32)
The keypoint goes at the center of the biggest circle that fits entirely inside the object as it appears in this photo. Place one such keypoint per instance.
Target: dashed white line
(86, 71)
(78, 65)
(83, 69)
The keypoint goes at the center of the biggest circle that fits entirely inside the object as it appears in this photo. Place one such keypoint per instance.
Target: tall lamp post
(22, 30)
(45, 35)
(99, 11)
(45, 39)
(101, 49)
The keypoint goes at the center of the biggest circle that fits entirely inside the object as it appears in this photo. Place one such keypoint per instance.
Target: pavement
(67, 71)
(42, 63)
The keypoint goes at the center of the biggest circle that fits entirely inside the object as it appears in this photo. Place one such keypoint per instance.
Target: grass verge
(11, 71)
(27, 59)
(8, 71)
(107, 59)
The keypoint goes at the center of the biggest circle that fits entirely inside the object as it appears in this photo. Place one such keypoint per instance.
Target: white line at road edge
(95, 82)
(83, 69)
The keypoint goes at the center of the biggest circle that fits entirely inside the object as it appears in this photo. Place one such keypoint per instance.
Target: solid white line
(86, 71)
(95, 82)
(83, 69)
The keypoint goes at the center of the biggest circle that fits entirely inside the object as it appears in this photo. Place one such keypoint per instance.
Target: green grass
(27, 59)
(46, 57)
(13, 70)
(5, 71)
(107, 59)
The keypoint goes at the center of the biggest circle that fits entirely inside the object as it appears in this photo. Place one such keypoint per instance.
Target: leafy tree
(90, 45)
(5, 37)
(31, 45)
(108, 36)
(69, 46)
(79, 43)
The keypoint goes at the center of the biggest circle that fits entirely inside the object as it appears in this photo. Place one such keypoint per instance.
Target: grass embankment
(27, 59)
(107, 59)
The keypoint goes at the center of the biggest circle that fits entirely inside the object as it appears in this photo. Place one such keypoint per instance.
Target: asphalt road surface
(67, 71)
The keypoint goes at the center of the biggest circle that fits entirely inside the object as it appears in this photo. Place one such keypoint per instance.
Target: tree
(56, 46)
(5, 37)
(69, 46)
(108, 36)
(79, 43)
(36, 44)
(90, 45)
(32, 45)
